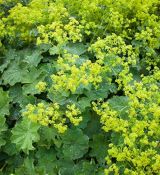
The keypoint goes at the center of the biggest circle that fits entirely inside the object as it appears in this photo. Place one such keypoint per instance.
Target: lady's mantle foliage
(79, 87)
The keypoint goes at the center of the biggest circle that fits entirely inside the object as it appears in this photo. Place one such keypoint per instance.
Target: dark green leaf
(46, 160)
(75, 144)
(17, 96)
(27, 168)
(117, 139)
(66, 167)
(2, 129)
(4, 102)
(85, 167)
(49, 136)
(99, 147)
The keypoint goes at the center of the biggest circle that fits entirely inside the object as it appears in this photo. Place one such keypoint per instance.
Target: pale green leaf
(76, 48)
(14, 74)
(120, 104)
(33, 59)
(25, 134)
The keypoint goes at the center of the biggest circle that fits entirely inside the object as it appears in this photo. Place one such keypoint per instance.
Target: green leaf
(4, 65)
(54, 50)
(33, 59)
(75, 144)
(10, 148)
(17, 96)
(98, 147)
(20, 73)
(83, 103)
(30, 88)
(32, 75)
(25, 134)
(49, 136)
(82, 59)
(81, 88)
(109, 60)
(85, 168)
(27, 168)
(4, 102)
(76, 48)
(93, 126)
(58, 97)
(66, 167)
(14, 113)
(13, 163)
(14, 74)
(136, 73)
(48, 68)
(103, 91)
(86, 118)
(2, 129)
(44, 47)
(120, 104)
(47, 161)
(117, 139)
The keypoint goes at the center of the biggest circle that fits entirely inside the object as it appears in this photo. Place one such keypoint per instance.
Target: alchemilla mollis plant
(79, 87)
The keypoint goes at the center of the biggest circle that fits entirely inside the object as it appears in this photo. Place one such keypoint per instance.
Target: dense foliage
(79, 87)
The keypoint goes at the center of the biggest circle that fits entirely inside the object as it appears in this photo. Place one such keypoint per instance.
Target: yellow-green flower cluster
(113, 45)
(113, 51)
(149, 37)
(2, 29)
(110, 52)
(73, 114)
(45, 21)
(51, 114)
(110, 119)
(70, 76)
(139, 130)
(47, 115)
(24, 21)
(41, 86)
(59, 32)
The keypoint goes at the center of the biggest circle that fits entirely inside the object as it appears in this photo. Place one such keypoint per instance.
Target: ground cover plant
(79, 87)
